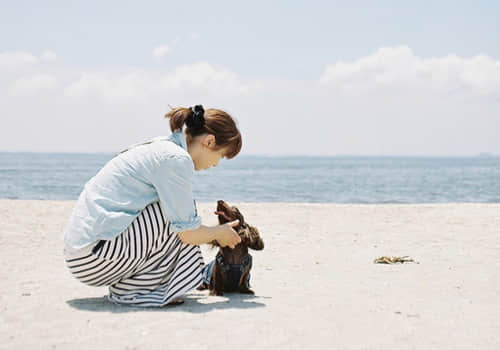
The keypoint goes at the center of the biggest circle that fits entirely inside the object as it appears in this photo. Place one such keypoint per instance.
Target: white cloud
(206, 77)
(160, 51)
(32, 85)
(395, 105)
(49, 56)
(16, 59)
(143, 85)
(399, 67)
(129, 86)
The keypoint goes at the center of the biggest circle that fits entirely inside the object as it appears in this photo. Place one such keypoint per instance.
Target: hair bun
(196, 119)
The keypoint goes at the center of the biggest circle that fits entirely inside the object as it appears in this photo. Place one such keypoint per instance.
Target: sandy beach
(316, 284)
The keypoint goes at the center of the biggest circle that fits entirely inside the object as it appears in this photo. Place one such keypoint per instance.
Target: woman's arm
(224, 234)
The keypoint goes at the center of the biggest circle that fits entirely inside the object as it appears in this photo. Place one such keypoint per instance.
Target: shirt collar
(178, 138)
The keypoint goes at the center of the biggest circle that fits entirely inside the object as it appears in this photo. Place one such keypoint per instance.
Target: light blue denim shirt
(161, 169)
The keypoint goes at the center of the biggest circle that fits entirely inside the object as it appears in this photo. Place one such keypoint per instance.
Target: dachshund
(230, 271)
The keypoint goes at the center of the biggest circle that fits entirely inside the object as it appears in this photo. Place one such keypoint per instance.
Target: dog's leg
(217, 281)
(244, 287)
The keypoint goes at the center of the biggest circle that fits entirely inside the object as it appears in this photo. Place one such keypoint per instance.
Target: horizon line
(270, 155)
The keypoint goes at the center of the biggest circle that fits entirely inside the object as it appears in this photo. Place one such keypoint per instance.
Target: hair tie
(196, 118)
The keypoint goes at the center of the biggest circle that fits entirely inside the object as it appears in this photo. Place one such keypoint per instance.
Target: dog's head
(249, 234)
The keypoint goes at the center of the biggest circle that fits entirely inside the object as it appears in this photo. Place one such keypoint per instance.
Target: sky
(381, 78)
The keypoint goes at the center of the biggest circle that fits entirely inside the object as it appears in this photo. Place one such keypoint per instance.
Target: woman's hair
(216, 122)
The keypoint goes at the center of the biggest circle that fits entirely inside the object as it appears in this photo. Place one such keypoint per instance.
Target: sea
(342, 179)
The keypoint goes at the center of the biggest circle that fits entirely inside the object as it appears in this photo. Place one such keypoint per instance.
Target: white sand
(316, 286)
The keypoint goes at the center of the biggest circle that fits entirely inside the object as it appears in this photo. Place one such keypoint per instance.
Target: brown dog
(230, 271)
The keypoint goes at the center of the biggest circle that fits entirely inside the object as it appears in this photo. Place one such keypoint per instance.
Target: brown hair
(217, 123)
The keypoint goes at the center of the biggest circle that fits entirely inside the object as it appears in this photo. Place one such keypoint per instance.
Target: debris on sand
(394, 260)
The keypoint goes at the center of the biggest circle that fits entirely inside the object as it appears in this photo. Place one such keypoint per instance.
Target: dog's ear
(255, 242)
(239, 215)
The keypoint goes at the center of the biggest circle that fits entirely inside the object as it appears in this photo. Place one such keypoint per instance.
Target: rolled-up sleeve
(172, 179)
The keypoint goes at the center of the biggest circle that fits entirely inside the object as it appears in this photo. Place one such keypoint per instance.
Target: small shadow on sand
(194, 303)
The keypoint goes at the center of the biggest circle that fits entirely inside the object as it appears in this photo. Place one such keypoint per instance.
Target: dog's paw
(214, 292)
(246, 291)
(202, 286)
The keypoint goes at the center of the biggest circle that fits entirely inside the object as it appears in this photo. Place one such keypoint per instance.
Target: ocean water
(58, 176)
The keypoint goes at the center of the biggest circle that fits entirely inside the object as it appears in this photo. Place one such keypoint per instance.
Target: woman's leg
(178, 272)
(146, 265)
(109, 261)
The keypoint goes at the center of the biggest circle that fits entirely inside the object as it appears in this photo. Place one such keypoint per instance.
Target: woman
(135, 227)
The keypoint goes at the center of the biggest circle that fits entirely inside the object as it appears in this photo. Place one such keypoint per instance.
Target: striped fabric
(146, 265)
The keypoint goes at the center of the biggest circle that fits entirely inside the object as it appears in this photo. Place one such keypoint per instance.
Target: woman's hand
(226, 236)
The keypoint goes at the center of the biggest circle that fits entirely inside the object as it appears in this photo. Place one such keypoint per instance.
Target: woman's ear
(209, 141)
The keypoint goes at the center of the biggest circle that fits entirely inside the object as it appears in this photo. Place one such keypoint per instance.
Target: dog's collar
(226, 267)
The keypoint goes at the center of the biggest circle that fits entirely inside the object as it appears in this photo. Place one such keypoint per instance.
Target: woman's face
(204, 153)
(209, 159)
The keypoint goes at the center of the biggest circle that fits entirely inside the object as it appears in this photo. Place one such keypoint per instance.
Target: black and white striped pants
(145, 265)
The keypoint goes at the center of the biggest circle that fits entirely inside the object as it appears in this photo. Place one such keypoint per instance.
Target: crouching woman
(135, 227)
